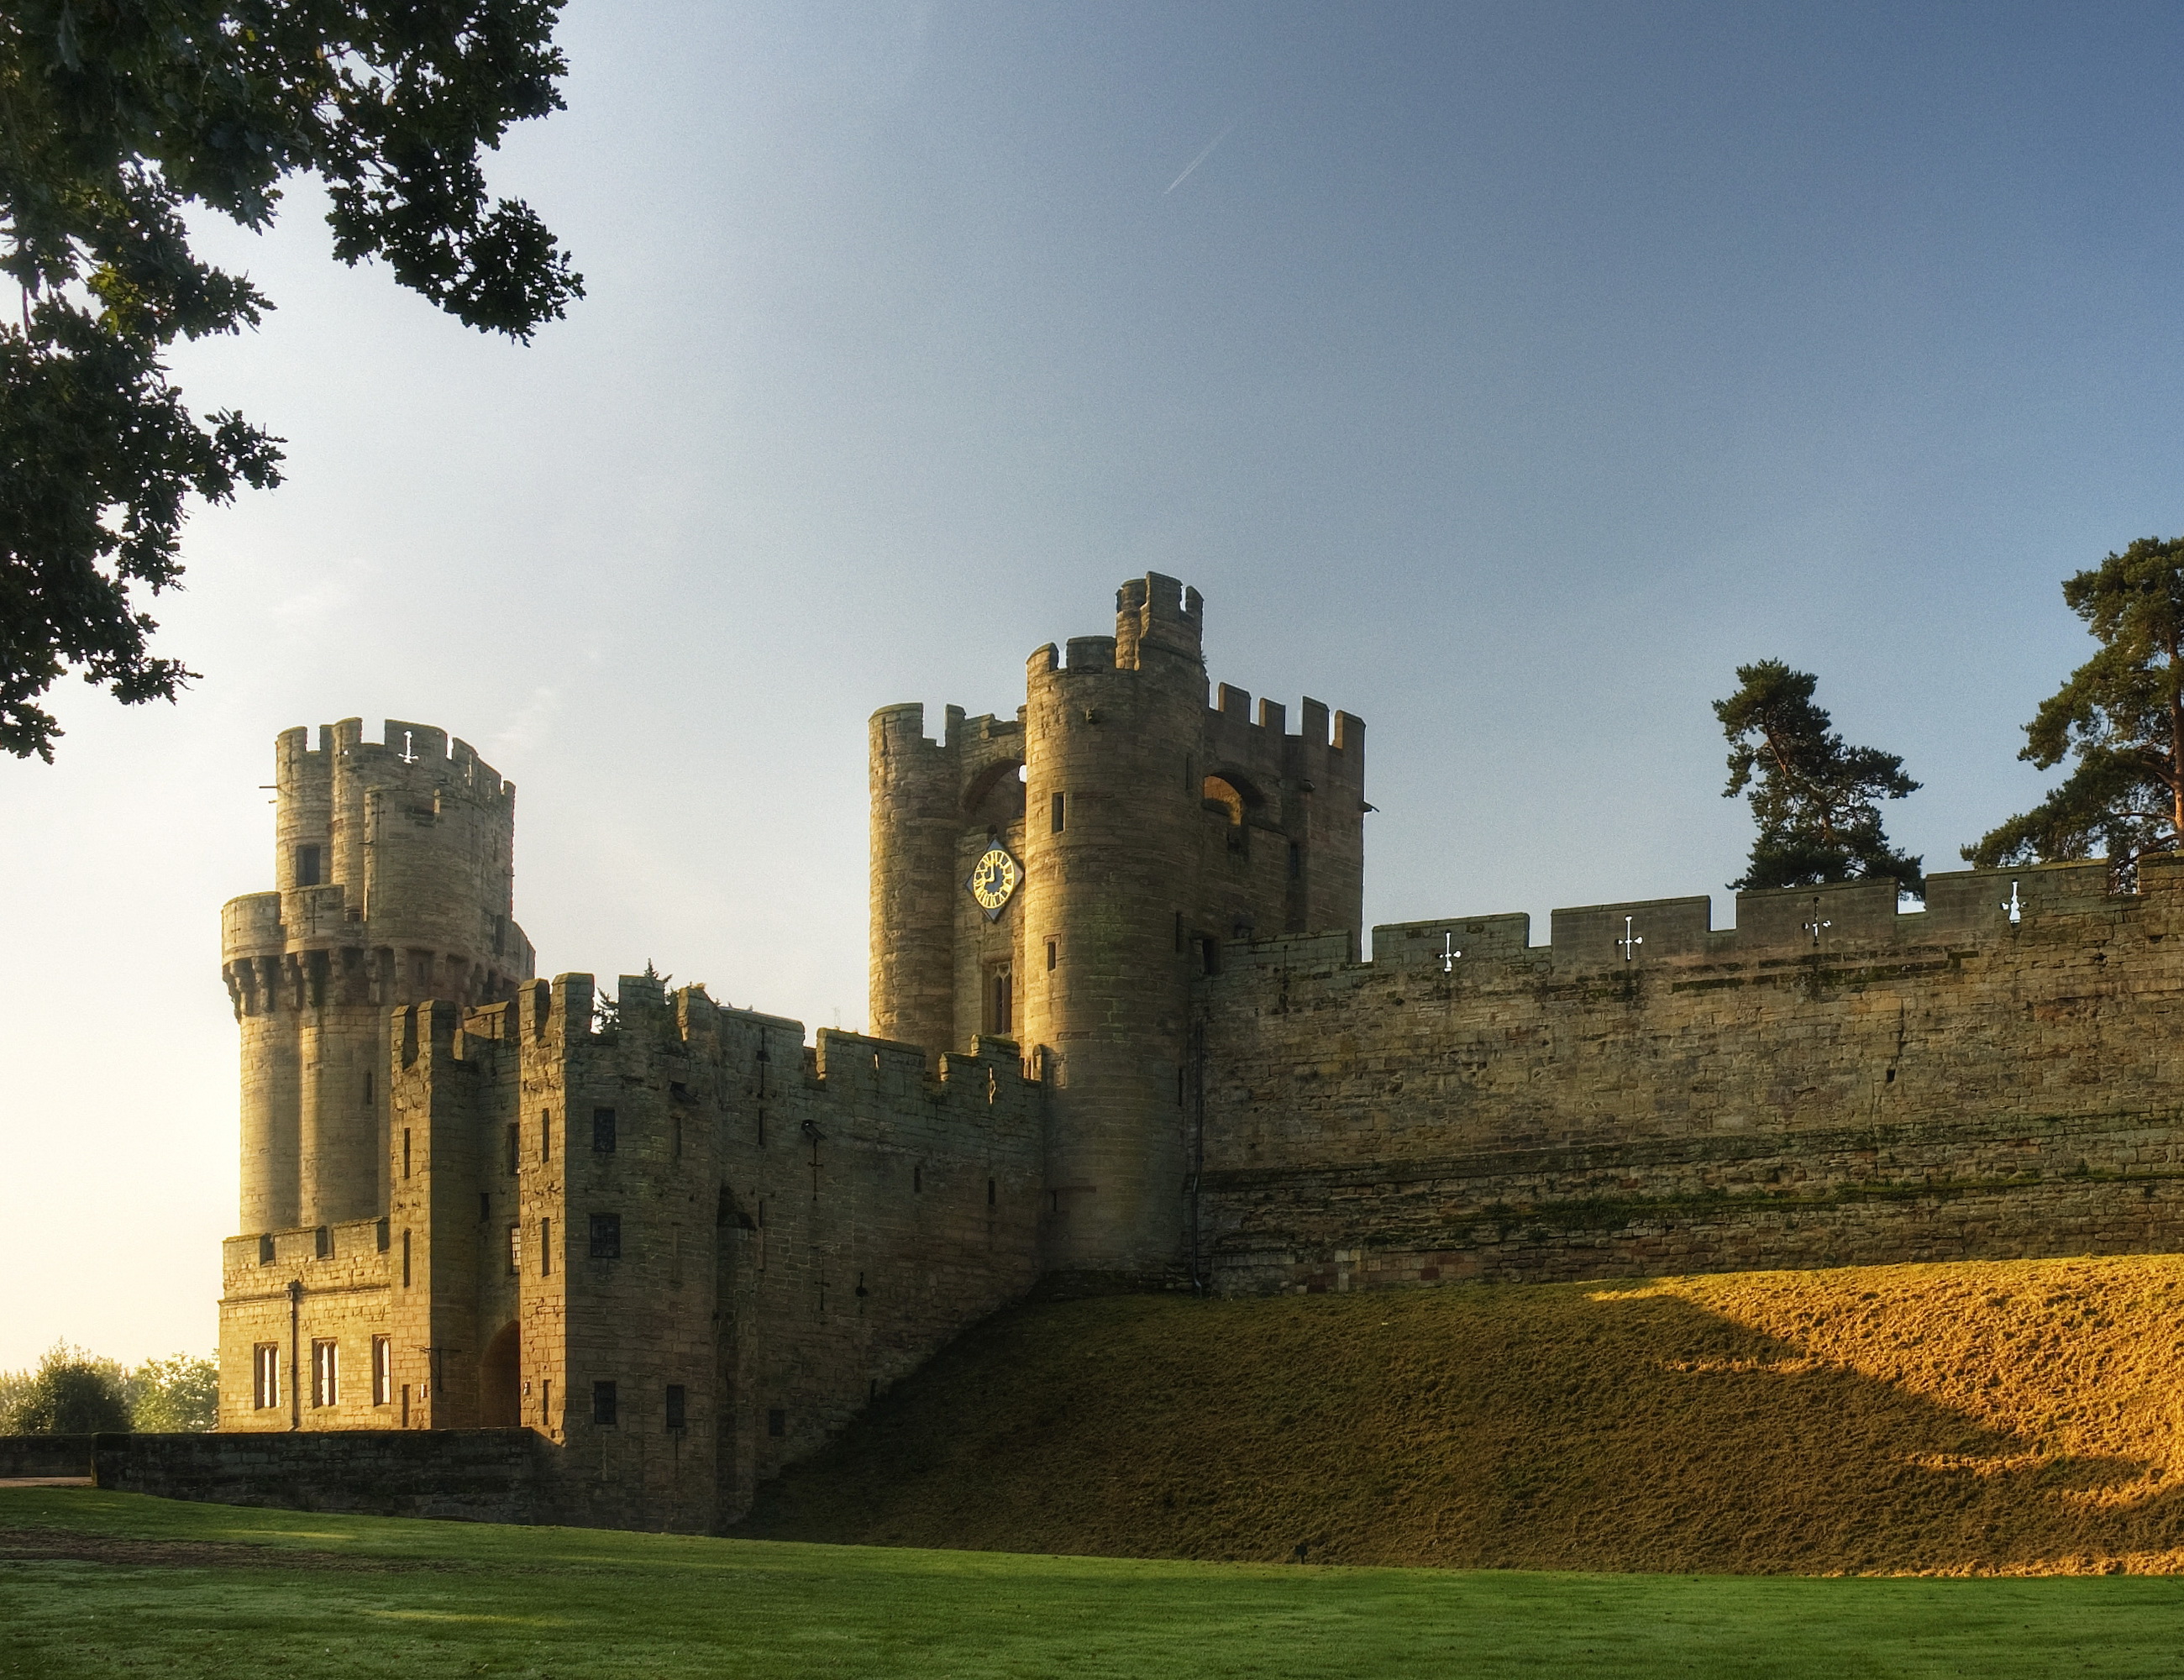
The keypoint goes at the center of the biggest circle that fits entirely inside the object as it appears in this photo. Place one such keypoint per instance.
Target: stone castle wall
(1830, 1082)
(794, 1229)
(473, 1475)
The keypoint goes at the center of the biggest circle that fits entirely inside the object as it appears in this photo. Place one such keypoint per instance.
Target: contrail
(1199, 158)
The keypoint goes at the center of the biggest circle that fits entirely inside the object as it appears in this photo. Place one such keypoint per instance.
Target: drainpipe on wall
(295, 1365)
(1196, 1053)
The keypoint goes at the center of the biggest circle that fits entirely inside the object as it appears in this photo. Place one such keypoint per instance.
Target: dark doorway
(500, 1381)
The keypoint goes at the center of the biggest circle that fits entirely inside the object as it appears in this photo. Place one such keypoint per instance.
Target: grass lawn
(106, 1584)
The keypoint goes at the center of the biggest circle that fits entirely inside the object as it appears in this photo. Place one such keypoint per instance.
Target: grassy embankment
(2012, 1417)
(112, 1584)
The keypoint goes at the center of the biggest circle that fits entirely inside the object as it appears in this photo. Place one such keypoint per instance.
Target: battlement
(1964, 909)
(413, 754)
(1231, 706)
(899, 732)
(1308, 760)
(1154, 613)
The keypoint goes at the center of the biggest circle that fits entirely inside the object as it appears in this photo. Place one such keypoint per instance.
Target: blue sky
(1506, 374)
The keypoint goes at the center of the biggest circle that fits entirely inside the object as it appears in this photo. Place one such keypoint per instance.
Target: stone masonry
(1122, 1039)
(1830, 1082)
(667, 1238)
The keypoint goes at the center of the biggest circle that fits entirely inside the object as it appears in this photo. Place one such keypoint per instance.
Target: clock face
(994, 880)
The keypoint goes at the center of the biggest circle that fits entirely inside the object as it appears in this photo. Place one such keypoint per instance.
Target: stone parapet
(1831, 1082)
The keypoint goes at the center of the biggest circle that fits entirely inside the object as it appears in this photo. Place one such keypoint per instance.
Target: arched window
(1222, 791)
(996, 794)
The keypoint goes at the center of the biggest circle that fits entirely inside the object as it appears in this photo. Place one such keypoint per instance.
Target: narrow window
(603, 1131)
(379, 1234)
(605, 1407)
(322, 1242)
(1210, 951)
(545, 1134)
(606, 1236)
(367, 1088)
(265, 1250)
(326, 1374)
(917, 1180)
(515, 1251)
(405, 1260)
(307, 865)
(1178, 1084)
(1053, 953)
(989, 1192)
(265, 1376)
(405, 1405)
(1060, 812)
(678, 1415)
(777, 1421)
(383, 1370)
(545, 1248)
(514, 1149)
(1000, 999)
(485, 1207)
(546, 1402)
(405, 1152)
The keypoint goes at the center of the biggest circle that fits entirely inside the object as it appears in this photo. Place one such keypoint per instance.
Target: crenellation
(1826, 1083)
(1659, 927)
(1120, 1034)
(1091, 655)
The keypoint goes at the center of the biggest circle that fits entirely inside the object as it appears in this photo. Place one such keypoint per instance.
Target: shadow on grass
(1543, 1428)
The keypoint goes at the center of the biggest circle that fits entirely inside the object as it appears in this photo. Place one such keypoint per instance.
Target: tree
(1816, 799)
(2120, 717)
(71, 1392)
(115, 115)
(174, 1395)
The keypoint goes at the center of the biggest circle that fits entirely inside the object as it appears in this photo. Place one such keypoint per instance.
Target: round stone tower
(1113, 814)
(915, 788)
(393, 862)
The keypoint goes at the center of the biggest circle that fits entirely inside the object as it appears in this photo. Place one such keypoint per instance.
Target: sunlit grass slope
(2004, 1417)
(95, 1584)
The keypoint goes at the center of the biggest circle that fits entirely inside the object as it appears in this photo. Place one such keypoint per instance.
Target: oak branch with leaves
(1816, 799)
(114, 116)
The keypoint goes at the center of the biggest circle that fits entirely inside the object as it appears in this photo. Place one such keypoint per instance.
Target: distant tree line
(76, 1393)
(2118, 720)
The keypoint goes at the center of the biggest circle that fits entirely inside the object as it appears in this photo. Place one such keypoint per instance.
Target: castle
(1122, 1038)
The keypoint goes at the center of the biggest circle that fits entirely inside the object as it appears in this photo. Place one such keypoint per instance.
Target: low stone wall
(23, 1455)
(471, 1475)
(1548, 1242)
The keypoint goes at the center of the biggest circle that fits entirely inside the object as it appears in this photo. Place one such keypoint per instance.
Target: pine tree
(1815, 798)
(2120, 717)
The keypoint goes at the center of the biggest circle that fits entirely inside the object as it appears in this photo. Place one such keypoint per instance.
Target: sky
(1504, 375)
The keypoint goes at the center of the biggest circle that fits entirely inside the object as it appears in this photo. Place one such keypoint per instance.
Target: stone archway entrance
(500, 1380)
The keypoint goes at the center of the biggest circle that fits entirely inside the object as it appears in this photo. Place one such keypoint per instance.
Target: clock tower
(1067, 878)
